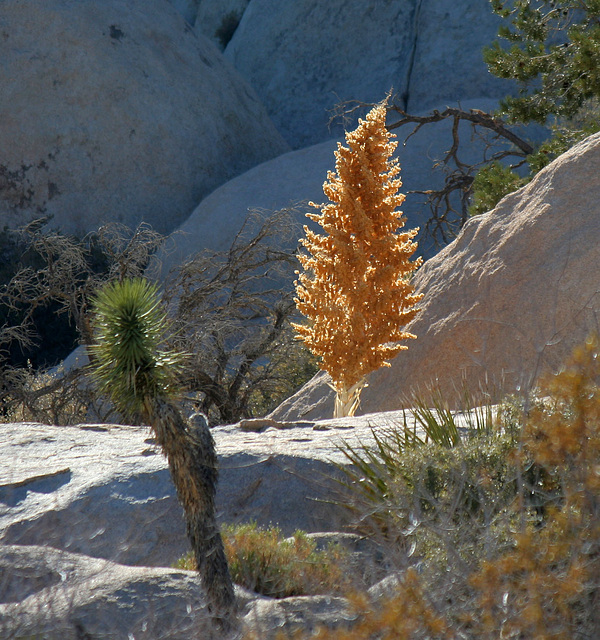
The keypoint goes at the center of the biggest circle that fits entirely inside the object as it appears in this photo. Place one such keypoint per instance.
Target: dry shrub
(546, 584)
(354, 288)
(535, 571)
(50, 397)
(263, 561)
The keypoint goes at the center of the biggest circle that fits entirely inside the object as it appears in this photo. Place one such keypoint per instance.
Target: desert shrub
(263, 561)
(293, 366)
(354, 289)
(546, 584)
(52, 330)
(431, 500)
(531, 569)
(51, 397)
(49, 279)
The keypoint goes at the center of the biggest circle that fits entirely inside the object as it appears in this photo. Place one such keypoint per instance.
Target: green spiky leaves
(130, 366)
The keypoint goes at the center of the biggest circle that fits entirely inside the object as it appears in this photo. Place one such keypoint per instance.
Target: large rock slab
(118, 111)
(47, 593)
(505, 302)
(105, 490)
(293, 179)
(304, 57)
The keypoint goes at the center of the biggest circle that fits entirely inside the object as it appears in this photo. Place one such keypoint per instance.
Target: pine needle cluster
(355, 289)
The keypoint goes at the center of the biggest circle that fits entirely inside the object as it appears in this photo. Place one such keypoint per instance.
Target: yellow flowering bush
(355, 289)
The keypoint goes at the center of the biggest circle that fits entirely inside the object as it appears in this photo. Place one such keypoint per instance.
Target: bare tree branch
(475, 116)
(231, 313)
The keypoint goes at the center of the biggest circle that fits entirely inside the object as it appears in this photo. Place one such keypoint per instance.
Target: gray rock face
(105, 490)
(79, 489)
(48, 593)
(126, 114)
(288, 181)
(448, 66)
(187, 8)
(267, 618)
(304, 57)
(508, 300)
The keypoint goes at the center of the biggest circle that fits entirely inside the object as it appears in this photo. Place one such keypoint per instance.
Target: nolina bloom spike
(354, 288)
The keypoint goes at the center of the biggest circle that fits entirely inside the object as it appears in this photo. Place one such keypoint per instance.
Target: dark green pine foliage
(551, 48)
(491, 184)
(140, 377)
(552, 51)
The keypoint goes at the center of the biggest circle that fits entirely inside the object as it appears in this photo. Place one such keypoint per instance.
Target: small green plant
(434, 450)
(491, 184)
(263, 561)
(140, 376)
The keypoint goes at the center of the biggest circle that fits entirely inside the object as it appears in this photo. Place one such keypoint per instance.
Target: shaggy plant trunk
(193, 466)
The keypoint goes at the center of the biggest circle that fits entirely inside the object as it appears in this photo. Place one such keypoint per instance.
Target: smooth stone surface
(187, 8)
(305, 57)
(127, 115)
(52, 594)
(105, 490)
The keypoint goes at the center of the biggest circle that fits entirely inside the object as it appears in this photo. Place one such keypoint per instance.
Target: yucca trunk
(348, 399)
(193, 466)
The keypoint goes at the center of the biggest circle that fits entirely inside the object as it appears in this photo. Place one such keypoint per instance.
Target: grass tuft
(263, 561)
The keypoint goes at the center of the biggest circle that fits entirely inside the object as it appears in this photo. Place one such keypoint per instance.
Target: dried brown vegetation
(355, 289)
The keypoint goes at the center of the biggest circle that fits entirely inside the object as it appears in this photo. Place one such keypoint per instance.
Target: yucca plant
(140, 377)
(395, 464)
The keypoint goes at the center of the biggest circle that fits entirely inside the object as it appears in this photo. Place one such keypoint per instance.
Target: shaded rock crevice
(405, 92)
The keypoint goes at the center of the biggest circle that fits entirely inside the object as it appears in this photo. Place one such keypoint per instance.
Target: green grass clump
(265, 562)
